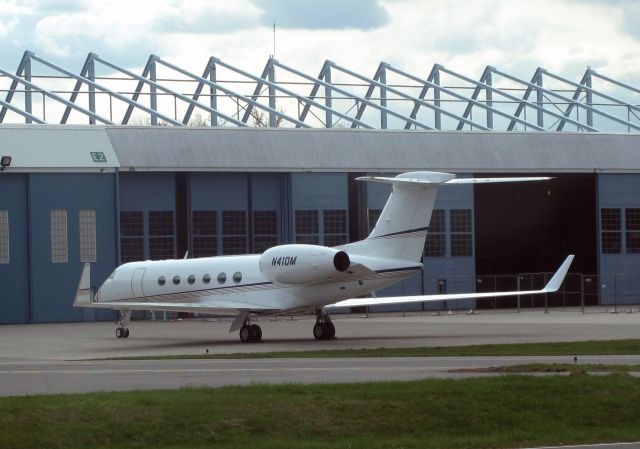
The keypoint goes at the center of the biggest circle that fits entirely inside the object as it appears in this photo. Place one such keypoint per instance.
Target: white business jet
(296, 278)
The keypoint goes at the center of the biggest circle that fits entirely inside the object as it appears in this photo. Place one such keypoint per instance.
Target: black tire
(253, 335)
(126, 333)
(119, 332)
(257, 332)
(245, 334)
(329, 331)
(318, 331)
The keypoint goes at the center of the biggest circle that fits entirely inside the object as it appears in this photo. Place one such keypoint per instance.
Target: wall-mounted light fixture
(5, 161)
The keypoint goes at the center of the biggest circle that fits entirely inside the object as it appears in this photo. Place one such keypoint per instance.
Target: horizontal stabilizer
(494, 180)
(415, 178)
(553, 285)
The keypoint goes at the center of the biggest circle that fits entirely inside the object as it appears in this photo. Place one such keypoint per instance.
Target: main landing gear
(250, 333)
(324, 328)
(122, 331)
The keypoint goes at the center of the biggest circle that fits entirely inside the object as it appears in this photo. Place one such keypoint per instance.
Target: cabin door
(136, 283)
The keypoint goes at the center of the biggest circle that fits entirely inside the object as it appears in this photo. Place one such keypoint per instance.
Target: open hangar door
(530, 228)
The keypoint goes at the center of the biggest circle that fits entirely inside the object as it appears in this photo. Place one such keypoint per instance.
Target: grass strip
(602, 347)
(505, 411)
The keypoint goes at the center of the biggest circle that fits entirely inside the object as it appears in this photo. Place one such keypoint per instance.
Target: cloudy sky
(563, 36)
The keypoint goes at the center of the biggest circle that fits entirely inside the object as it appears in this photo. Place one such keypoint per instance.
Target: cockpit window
(112, 275)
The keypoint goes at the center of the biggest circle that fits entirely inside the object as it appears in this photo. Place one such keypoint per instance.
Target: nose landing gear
(122, 331)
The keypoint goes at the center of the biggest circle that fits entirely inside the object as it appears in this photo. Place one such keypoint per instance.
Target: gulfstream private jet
(296, 278)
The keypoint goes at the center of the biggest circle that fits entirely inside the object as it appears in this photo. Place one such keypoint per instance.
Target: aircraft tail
(402, 228)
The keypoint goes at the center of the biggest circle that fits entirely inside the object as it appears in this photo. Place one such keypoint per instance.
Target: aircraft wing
(553, 285)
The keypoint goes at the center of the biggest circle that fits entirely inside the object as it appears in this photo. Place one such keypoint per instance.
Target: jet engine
(298, 264)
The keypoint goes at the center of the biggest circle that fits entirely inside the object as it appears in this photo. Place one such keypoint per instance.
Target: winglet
(83, 294)
(556, 281)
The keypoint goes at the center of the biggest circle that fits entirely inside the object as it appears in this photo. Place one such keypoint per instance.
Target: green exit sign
(98, 156)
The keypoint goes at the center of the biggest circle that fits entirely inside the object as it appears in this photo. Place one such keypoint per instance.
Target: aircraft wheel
(120, 332)
(256, 332)
(126, 333)
(245, 334)
(318, 331)
(329, 331)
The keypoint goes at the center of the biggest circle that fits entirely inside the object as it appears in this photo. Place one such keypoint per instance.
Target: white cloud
(464, 35)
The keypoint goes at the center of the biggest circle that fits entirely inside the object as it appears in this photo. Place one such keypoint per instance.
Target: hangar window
(265, 230)
(373, 216)
(161, 236)
(632, 224)
(191, 279)
(335, 227)
(237, 277)
(87, 235)
(206, 278)
(234, 232)
(611, 230)
(4, 236)
(205, 233)
(222, 278)
(131, 236)
(460, 227)
(436, 237)
(59, 241)
(307, 229)
(176, 280)
(161, 280)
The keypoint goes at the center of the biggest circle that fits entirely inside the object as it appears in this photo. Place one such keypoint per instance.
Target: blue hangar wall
(38, 286)
(156, 215)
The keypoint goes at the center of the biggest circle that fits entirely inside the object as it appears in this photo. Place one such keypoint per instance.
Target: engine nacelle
(297, 264)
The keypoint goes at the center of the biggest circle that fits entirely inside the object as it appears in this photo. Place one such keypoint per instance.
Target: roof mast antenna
(274, 38)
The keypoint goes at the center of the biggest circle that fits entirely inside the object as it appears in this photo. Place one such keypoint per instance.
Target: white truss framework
(225, 95)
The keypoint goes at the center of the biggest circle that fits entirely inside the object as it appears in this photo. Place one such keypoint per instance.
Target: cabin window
(4, 236)
(191, 279)
(131, 236)
(87, 235)
(161, 280)
(222, 278)
(176, 280)
(237, 277)
(206, 278)
(59, 242)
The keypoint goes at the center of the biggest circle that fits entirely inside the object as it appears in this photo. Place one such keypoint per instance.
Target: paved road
(75, 341)
(20, 378)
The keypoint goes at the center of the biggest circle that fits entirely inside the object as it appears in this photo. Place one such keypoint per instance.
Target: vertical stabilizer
(403, 224)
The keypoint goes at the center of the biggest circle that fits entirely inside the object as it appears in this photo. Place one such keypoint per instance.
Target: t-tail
(402, 227)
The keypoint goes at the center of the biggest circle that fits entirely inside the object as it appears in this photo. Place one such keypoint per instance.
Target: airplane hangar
(108, 166)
